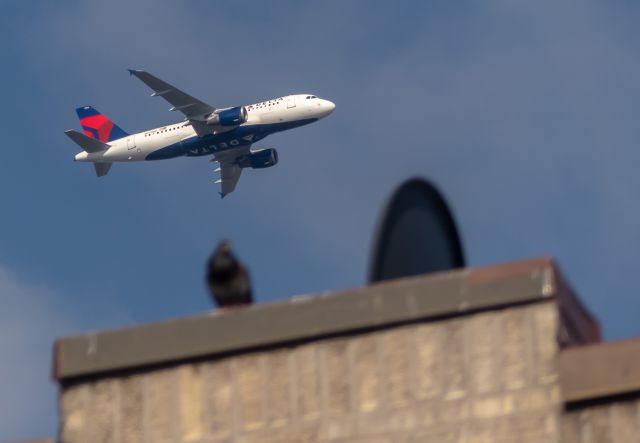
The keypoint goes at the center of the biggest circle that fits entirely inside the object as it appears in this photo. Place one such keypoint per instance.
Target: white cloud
(31, 318)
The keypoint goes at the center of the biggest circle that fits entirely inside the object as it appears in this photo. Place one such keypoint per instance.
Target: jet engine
(262, 158)
(228, 117)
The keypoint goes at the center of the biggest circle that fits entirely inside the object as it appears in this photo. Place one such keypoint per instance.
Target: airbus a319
(224, 133)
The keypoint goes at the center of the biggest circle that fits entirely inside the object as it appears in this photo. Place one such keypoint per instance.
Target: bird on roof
(227, 278)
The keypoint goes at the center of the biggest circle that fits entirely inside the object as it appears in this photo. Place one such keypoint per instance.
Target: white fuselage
(180, 139)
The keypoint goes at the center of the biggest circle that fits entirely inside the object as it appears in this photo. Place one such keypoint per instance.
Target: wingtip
(222, 195)
(133, 71)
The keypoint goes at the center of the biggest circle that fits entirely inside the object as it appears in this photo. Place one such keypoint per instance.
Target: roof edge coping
(420, 298)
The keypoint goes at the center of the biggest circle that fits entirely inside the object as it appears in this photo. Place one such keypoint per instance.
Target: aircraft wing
(191, 107)
(229, 177)
(229, 169)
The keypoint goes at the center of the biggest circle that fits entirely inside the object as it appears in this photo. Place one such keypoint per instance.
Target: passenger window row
(149, 134)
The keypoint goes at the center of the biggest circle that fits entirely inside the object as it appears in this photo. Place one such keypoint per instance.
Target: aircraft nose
(329, 106)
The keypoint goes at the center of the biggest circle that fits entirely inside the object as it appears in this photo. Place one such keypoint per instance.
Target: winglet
(222, 195)
(132, 71)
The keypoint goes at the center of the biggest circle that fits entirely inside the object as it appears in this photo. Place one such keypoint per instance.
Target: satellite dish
(416, 234)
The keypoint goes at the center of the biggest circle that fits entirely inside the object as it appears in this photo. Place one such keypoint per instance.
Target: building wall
(610, 422)
(486, 377)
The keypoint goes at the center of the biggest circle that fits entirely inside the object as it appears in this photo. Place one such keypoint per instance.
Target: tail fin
(98, 125)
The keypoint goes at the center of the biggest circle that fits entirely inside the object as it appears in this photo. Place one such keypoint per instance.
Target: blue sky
(524, 113)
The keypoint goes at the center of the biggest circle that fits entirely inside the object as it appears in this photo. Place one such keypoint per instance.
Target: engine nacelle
(229, 117)
(263, 158)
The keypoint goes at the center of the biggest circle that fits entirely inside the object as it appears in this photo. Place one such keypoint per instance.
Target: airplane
(225, 133)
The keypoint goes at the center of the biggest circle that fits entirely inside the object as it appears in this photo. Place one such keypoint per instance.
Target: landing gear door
(131, 142)
(291, 101)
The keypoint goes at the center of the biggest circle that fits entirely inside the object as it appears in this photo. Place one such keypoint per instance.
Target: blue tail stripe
(117, 132)
(86, 111)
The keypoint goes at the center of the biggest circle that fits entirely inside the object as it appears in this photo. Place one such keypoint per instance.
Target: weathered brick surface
(488, 377)
(612, 422)
(250, 385)
(73, 413)
(306, 375)
(190, 394)
(131, 425)
(221, 410)
(160, 406)
(336, 363)
(278, 385)
(102, 411)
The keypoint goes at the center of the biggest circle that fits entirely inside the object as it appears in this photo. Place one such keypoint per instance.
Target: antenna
(416, 234)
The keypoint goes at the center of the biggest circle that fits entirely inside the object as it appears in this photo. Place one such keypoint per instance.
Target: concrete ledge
(299, 319)
(600, 371)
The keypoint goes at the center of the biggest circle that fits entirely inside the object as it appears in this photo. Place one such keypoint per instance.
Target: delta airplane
(225, 133)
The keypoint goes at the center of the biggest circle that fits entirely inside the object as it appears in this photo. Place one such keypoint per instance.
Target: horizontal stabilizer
(89, 144)
(102, 168)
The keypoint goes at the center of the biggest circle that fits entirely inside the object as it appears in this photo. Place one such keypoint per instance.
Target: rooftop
(299, 319)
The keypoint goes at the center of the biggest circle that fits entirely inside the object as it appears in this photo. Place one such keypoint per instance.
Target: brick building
(496, 354)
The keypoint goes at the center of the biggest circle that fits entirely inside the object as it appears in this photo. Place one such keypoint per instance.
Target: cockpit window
(311, 96)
